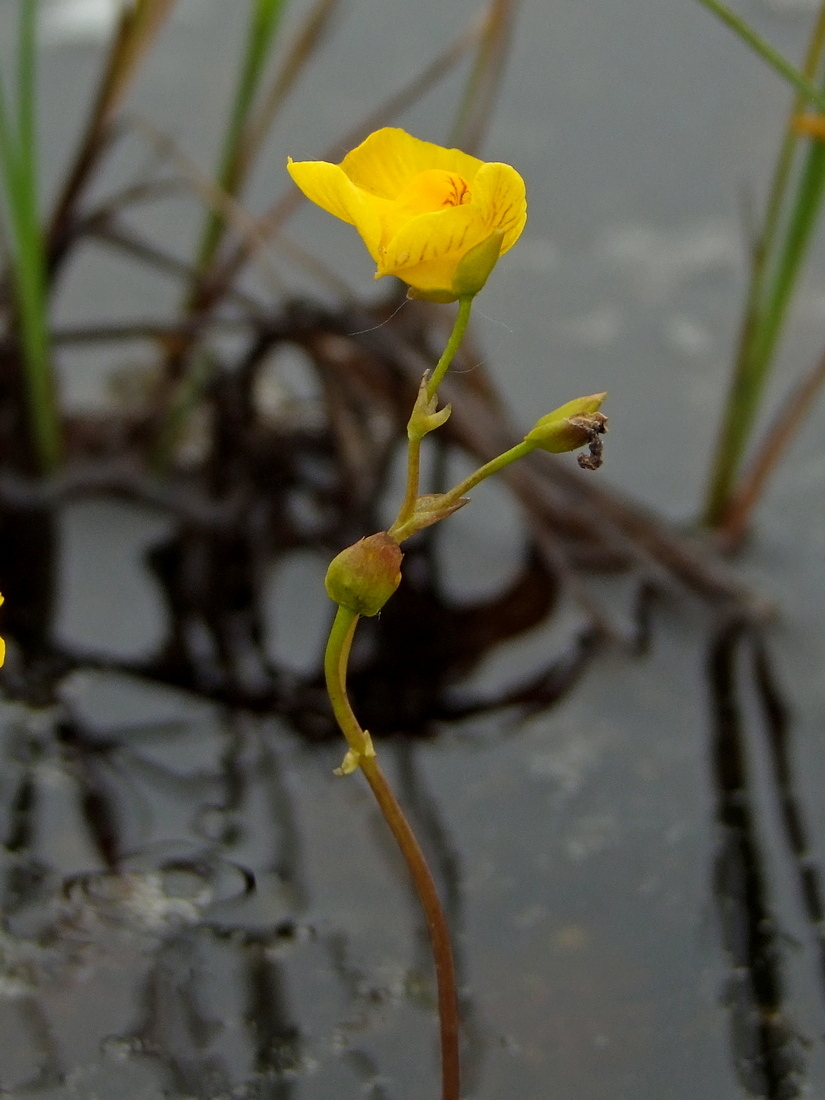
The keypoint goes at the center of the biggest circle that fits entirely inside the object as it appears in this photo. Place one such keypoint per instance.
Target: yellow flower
(421, 209)
(2, 643)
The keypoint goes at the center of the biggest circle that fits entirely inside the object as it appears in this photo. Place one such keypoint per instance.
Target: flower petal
(385, 162)
(500, 197)
(426, 250)
(328, 187)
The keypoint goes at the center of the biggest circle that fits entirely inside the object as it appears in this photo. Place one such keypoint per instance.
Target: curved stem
(462, 319)
(490, 468)
(413, 476)
(436, 924)
(414, 435)
(335, 671)
(362, 754)
(405, 526)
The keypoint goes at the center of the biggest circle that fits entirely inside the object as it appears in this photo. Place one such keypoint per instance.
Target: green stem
(776, 264)
(19, 175)
(488, 469)
(771, 448)
(413, 477)
(465, 306)
(411, 525)
(462, 319)
(335, 670)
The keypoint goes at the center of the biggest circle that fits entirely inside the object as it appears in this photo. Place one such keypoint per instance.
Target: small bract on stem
(440, 220)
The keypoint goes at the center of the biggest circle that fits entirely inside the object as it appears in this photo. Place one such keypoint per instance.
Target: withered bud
(576, 424)
(595, 425)
(364, 576)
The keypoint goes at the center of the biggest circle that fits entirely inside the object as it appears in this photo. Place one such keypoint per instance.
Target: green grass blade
(793, 248)
(765, 331)
(484, 79)
(137, 29)
(809, 91)
(263, 31)
(311, 35)
(777, 261)
(18, 153)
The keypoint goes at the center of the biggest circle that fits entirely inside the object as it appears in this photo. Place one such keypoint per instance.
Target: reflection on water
(193, 905)
(186, 953)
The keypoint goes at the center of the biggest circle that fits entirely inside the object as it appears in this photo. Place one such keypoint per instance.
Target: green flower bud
(571, 426)
(474, 268)
(364, 576)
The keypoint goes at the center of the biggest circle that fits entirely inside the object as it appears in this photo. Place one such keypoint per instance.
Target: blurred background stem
(233, 165)
(25, 247)
(777, 256)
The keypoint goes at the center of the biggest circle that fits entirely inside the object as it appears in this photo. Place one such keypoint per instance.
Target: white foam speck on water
(688, 336)
(597, 329)
(77, 22)
(658, 262)
(148, 904)
(90, 22)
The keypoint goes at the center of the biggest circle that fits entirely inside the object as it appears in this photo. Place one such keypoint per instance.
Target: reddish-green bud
(364, 576)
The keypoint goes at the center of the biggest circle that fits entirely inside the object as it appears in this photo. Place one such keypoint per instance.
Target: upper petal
(385, 162)
(500, 197)
(329, 187)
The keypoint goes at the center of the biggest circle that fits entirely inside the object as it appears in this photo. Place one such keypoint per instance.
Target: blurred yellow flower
(421, 209)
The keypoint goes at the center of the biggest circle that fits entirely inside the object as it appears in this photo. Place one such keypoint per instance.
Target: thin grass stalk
(310, 37)
(261, 37)
(776, 264)
(18, 153)
(136, 32)
(233, 167)
(804, 86)
(484, 81)
(772, 448)
(244, 138)
(790, 143)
